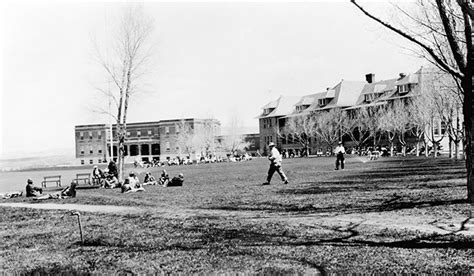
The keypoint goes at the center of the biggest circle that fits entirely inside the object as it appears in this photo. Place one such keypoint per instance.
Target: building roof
(408, 79)
(307, 99)
(344, 94)
(284, 105)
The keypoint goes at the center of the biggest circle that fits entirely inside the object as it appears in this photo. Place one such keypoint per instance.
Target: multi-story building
(347, 95)
(145, 141)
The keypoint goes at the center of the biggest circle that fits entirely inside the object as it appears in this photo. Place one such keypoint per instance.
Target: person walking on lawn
(275, 164)
(339, 151)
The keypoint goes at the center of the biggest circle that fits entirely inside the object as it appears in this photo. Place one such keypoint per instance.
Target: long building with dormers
(347, 95)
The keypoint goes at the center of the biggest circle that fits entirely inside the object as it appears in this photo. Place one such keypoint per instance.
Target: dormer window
(323, 102)
(300, 108)
(267, 111)
(371, 97)
(404, 88)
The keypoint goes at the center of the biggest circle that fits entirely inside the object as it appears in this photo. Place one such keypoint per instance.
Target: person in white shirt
(275, 165)
(340, 151)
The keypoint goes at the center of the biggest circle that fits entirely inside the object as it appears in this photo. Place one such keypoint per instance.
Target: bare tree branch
(432, 53)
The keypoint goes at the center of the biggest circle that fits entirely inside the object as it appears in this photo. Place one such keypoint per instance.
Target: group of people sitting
(106, 179)
(109, 179)
(132, 183)
(37, 192)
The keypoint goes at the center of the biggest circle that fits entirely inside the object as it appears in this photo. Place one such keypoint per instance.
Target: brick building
(145, 141)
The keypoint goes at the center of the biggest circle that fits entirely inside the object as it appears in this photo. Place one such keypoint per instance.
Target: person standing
(339, 151)
(275, 164)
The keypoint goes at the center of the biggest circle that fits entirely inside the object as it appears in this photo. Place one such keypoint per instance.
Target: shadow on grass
(373, 206)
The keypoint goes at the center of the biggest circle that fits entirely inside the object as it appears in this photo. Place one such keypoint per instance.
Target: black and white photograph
(236, 137)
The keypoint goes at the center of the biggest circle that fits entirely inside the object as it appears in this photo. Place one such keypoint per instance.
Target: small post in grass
(80, 226)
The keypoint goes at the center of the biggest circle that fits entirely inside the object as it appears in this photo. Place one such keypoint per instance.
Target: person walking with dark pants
(275, 165)
(340, 151)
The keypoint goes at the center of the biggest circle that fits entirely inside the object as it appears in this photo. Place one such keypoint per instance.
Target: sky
(215, 59)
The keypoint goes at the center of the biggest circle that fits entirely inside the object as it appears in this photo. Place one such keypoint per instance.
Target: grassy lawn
(389, 215)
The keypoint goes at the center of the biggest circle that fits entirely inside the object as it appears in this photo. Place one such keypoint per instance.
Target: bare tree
(234, 140)
(330, 126)
(419, 119)
(302, 128)
(124, 58)
(185, 138)
(359, 127)
(387, 124)
(206, 138)
(444, 37)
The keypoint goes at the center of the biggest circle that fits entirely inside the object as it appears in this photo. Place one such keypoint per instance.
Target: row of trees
(202, 139)
(419, 117)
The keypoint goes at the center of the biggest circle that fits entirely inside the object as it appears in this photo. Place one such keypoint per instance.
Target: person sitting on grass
(32, 190)
(176, 181)
(11, 195)
(164, 178)
(149, 179)
(132, 184)
(111, 181)
(97, 175)
(69, 191)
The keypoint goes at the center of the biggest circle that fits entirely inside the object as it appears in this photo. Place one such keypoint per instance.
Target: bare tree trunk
(467, 111)
(456, 150)
(426, 149)
(450, 143)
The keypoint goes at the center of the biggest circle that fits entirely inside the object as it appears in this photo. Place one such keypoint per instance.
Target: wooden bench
(51, 179)
(83, 177)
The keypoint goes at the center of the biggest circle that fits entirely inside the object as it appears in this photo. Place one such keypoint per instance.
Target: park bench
(83, 177)
(51, 179)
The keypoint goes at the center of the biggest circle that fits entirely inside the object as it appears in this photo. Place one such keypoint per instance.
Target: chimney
(402, 75)
(328, 88)
(370, 78)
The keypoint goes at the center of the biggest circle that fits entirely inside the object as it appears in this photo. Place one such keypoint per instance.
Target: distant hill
(33, 160)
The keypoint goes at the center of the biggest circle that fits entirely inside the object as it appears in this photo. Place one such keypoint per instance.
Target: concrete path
(75, 207)
(378, 220)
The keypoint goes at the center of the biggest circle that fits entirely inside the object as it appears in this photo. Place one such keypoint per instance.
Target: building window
(167, 130)
(150, 132)
(176, 127)
(167, 145)
(99, 134)
(91, 151)
(81, 134)
(100, 150)
(90, 134)
(323, 102)
(82, 150)
(91, 161)
(369, 97)
(139, 133)
(403, 88)
(128, 133)
(82, 162)
(100, 161)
